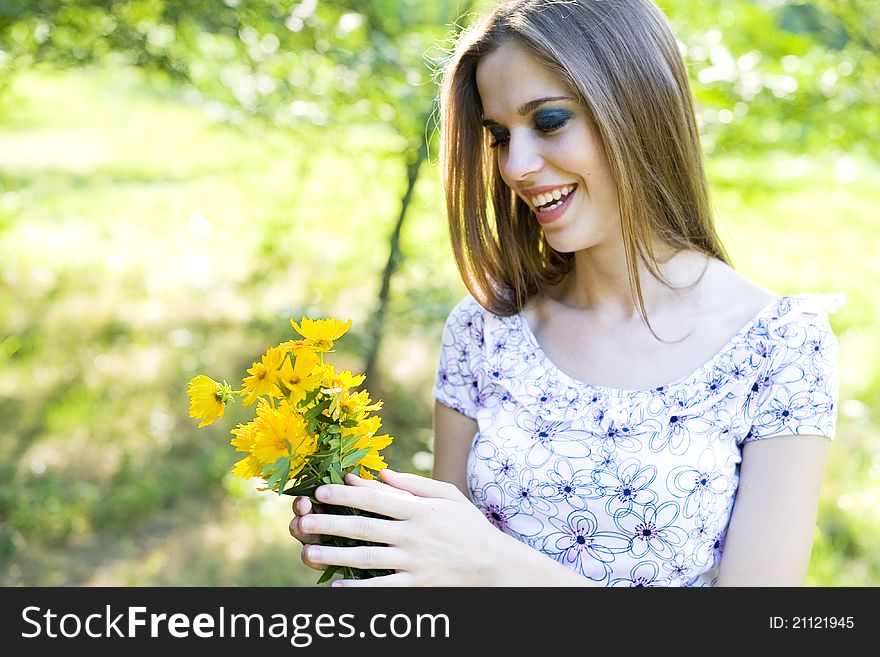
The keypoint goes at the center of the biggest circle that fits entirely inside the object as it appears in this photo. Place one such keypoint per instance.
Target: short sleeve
(459, 372)
(797, 394)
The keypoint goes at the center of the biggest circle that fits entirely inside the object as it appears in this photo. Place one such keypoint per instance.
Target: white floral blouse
(631, 487)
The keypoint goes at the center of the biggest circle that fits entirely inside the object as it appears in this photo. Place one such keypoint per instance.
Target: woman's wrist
(516, 564)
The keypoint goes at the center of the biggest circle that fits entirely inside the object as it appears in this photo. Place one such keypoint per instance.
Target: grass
(144, 243)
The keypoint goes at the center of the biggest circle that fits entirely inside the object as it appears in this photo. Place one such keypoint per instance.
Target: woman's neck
(599, 281)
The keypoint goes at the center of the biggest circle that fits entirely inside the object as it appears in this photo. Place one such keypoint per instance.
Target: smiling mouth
(554, 203)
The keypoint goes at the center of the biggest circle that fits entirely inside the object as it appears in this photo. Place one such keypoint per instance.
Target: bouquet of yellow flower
(310, 428)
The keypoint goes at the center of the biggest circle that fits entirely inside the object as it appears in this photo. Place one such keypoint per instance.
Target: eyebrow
(530, 106)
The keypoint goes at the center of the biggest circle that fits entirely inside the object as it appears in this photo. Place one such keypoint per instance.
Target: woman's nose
(523, 158)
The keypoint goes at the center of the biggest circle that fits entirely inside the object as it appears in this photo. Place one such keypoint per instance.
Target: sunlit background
(177, 179)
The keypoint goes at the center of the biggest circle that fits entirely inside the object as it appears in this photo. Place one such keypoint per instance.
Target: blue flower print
(723, 427)
(652, 530)
(542, 440)
(490, 500)
(502, 370)
(783, 409)
(604, 459)
(570, 403)
(702, 538)
(469, 326)
(482, 446)
(622, 429)
(578, 544)
(569, 486)
(524, 493)
(498, 346)
(700, 487)
(756, 391)
(679, 568)
(627, 485)
(759, 331)
(675, 437)
(545, 396)
(643, 575)
(504, 466)
(714, 381)
(718, 546)
(759, 353)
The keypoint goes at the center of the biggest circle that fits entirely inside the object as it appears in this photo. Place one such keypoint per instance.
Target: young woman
(624, 406)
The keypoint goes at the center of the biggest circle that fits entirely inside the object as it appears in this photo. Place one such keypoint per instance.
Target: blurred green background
(177, 179)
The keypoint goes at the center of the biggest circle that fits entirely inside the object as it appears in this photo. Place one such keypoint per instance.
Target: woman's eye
(550, 121)
(499, 138)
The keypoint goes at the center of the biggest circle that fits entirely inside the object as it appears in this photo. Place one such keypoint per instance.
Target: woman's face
(548, 149)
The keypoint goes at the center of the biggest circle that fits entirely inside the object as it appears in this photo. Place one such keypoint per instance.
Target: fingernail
(314, 553)
(322, 493)
(337, 583)
(306, 524)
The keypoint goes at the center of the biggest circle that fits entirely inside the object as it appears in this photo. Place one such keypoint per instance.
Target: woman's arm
(770, 535)
(453, 434)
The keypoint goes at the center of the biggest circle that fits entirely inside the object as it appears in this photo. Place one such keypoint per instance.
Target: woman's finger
(375, 500)
(353, 480)
(362, 528)
(302, 505)
(304, 556)
(419, 486)
(299, 534)
(365, 557)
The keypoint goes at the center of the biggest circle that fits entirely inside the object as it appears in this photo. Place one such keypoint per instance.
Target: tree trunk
(395, 258)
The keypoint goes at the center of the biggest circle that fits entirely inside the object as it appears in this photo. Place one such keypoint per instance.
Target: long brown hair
(621, 59)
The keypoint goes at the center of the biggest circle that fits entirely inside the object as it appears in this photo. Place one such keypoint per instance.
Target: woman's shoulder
(733, 298)
(738, 301)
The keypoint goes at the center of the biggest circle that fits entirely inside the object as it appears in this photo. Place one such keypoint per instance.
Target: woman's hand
(434, 535)
(302, 506)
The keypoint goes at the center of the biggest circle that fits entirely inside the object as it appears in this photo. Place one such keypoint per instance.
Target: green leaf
(317, 410)
(330, 572)
(350, 459)
(348, 442)
(279, 478)
(335, 476)
(280, 464)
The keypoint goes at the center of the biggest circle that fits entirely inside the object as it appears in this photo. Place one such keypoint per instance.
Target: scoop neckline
(613, 391)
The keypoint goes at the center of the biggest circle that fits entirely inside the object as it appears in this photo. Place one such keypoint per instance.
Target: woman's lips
(545, 217)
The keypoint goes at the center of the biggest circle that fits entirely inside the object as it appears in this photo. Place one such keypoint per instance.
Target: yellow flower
(264, 376)
(321, 330)
(248, 467)
(301, 377)
(372, 459)
(244, 437)
(365, 427)
(282, 432)
(333, 380)
(357, 403)
(208, 399)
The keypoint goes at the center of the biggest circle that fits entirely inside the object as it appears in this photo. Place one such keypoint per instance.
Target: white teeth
(548, 197)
